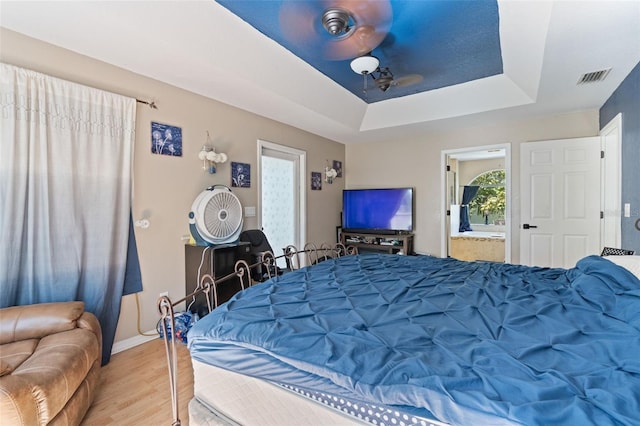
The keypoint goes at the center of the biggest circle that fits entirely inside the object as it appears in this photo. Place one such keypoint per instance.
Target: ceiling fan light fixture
(365, 64)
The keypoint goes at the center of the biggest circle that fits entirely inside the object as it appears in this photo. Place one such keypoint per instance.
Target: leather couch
(50, 357)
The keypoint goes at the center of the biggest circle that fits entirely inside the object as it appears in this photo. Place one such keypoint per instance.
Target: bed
(400, 340)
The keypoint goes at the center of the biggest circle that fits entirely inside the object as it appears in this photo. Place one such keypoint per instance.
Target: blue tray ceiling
(440, 43)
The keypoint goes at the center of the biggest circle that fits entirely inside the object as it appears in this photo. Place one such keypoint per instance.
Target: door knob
(527, 226)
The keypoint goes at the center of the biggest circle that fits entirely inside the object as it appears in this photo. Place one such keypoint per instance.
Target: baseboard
(132, 342)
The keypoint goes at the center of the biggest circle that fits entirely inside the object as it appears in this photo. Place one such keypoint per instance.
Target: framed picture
(337, 166)
(316, 181)
(240, 175)
(166, 139)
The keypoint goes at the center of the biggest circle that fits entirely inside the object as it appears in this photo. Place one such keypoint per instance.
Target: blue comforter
(471, 342)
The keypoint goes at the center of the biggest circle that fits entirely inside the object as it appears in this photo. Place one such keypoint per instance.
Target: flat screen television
(377, 211)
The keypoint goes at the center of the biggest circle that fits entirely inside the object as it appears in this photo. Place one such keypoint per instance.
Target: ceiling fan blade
(408, 80)
(301, 24)
(363, 40)
(367, 12)
(297, 22)
(373, 20)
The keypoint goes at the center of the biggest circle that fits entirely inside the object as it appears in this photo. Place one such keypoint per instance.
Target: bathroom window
(488, 206)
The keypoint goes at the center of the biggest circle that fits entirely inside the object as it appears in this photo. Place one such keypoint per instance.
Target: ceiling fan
(368, 65)
(385, 79)
(340, 29)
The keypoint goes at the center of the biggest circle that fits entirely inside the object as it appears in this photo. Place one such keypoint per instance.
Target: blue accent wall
(626, 100)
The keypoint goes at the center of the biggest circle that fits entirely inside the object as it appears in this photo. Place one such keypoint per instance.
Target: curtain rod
(151, 104)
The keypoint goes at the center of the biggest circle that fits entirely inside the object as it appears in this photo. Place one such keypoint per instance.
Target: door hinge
(601, 154)
(601, 215)
(448, 212)
(448, 168)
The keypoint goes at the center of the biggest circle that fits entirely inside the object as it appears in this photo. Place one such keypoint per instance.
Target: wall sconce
(143, 222)
(329, 174)
(210, 157)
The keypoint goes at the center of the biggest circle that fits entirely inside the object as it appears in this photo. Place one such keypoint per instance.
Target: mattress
(461, 342)
(225, 398)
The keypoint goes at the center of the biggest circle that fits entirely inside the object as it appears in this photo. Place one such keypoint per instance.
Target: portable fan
(215, 216)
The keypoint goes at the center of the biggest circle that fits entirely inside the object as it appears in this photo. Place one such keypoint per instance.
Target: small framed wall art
(240, 175)
(166, 139)
(316, 181)
(337, 166)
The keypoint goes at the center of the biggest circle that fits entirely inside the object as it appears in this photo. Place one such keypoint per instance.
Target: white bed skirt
(233, 399)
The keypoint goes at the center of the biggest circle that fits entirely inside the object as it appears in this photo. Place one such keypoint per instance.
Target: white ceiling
(202, 47)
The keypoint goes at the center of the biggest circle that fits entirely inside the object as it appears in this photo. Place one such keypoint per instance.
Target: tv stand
(398, 243)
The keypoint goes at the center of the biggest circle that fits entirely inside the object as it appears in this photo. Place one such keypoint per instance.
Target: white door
(280, 197)
(560, 201)
(611, 135)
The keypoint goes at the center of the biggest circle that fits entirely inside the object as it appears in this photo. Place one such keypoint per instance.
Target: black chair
(259, 244)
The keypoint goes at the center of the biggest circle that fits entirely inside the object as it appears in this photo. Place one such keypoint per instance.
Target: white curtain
(65, 188)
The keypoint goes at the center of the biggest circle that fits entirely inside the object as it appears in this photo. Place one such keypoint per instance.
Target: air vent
(593, 77)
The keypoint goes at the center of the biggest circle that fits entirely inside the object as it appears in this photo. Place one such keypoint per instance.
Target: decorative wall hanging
(210, 158)
(316, 181)
(329, 174)
(166, 139)
(240, 175)
(337, 165)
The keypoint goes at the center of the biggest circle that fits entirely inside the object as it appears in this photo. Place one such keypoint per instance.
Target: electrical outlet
(164, 293)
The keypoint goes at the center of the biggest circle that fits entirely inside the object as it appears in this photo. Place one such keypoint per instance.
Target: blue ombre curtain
(468, 194)
(66, 158)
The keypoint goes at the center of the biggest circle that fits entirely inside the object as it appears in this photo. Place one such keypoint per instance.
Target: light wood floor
(134, 388)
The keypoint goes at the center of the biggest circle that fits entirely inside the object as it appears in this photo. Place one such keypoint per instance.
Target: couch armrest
(90, 322)
(17, 403)
(39, 320)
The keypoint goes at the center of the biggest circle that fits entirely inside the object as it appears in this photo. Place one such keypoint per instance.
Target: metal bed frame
(208, 284)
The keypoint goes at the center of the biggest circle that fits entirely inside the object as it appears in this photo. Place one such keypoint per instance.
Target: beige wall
(165, 187)
(416, 163)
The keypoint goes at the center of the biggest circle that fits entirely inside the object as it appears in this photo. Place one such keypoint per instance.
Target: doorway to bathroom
(477, 203)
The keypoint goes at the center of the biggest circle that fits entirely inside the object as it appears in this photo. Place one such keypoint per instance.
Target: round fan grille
(218, 215)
